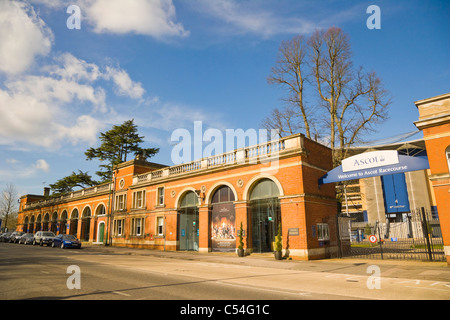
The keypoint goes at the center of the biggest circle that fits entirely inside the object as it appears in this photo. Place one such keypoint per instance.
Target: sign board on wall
(369, 160)
(223, 227)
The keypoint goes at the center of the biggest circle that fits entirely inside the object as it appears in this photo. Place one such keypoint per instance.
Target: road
(28, 272)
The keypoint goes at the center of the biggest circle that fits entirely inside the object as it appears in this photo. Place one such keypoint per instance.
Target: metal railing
(417, 237)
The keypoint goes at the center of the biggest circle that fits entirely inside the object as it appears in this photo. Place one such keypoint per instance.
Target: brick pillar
(171, 234)
(293, 217)
(204, 229)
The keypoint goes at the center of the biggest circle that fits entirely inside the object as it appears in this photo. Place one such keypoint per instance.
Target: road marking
(427, 288)
(121, 293)
(265, 289)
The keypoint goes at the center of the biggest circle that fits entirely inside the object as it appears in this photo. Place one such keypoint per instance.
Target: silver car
(27, 238)
(15, 236)
(43, 237)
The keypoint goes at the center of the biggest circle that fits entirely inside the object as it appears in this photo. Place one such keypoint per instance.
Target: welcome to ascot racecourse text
(369, 173)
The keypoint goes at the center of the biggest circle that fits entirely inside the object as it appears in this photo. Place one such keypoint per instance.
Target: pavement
(414, 270)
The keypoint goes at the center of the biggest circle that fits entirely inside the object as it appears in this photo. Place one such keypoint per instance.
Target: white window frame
(137, 226)
(121, 202)
(119, 225)
(160, 196)
(160, 226)
(139, 199)
(447, 156)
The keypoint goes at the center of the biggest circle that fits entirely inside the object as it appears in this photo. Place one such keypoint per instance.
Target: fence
(417, 237)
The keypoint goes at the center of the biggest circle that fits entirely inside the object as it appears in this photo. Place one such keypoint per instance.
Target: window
(121, 202)
(447, 155)
(118, 227)
(160, 226)
(101, 210)
(161, 196)
(137, 226)
(265, 214)
(139, 199)
(323, 232)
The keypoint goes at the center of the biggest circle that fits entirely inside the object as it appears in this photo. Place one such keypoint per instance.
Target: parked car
(5, 237)
(43, 237)
(14, 238)
(27, 238)
(66, 241)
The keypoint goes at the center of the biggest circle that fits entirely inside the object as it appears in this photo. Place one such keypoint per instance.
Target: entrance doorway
(265, 214)
(188, 222)
(74, 223)
(86, 224)
(101, 232)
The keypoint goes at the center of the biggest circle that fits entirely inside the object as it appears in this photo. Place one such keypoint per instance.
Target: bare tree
(349, 102)
(355, 100)
(8, 205)
(289, 72)
(285, 121)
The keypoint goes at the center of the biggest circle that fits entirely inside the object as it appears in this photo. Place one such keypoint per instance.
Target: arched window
(101, 210)
(265, 214)
(31, 229)
(25, 224)
(85, 224)
(223, 194)
(38, 223)
(45, 223)
(188, 221)
(265, 188)
(63, 223)
(74, 222)
(189, 199)
(53, 225)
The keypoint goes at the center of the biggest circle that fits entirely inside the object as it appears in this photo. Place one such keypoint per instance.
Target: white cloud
(71, 68)
(124, 84)
(23, 37)
(156, 18)
(12, 161)
(65, 103)
(42, 165)
(18, 170)
(244, 17)
(85, 129)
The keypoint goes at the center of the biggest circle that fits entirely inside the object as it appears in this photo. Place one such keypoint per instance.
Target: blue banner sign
(395, 193)
(404, 164)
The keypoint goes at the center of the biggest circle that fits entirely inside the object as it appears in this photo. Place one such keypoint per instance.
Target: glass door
(188, 232)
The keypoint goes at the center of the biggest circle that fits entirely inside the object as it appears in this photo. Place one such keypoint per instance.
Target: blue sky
(168, 63)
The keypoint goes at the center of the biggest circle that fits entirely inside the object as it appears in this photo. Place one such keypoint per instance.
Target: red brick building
(434, 121)
(200, 205)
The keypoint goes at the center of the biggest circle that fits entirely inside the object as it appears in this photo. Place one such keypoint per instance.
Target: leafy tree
(117, 144)
(67, 184)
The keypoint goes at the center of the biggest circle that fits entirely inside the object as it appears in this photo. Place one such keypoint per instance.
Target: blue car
(66, 241)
